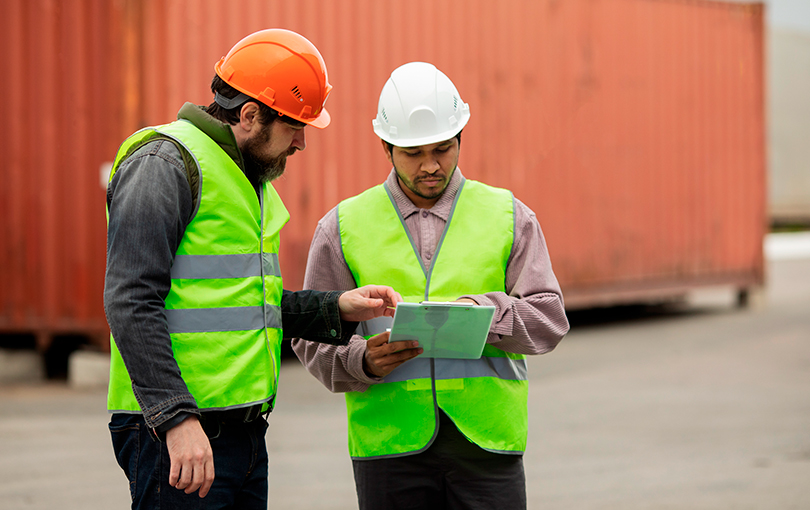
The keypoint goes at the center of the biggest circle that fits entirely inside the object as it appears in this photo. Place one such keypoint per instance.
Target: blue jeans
(240, 464)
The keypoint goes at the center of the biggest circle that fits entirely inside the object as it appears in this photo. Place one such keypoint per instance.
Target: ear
(388, 154)
(249, 117)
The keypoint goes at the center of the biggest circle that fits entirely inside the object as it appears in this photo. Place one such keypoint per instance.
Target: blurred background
(663, 144)
(658, 141)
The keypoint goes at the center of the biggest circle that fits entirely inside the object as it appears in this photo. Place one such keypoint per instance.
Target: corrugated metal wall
(634, 128)
(60, 99)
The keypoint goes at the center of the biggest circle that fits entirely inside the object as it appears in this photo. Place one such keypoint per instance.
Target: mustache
(432, 176)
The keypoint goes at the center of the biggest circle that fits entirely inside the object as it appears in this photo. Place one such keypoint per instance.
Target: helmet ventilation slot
(297, 93)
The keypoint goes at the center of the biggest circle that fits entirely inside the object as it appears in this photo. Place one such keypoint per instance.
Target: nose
(299, 139)
(430, 165)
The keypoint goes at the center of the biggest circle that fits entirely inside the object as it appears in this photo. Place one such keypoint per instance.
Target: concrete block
(87, 369)
(21, 366)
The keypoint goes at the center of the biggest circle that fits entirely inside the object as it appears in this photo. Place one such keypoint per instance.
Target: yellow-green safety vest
(486, 398)
(223, 308)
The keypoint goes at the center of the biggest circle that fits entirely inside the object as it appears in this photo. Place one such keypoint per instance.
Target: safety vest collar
(429, 270)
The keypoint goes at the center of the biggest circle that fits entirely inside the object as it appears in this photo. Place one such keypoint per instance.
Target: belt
(242, 414)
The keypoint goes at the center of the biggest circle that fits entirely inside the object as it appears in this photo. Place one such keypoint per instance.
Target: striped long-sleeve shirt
(529, 316)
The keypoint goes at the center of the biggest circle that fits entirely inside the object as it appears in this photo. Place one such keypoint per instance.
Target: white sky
(793, 14)
(789, 14)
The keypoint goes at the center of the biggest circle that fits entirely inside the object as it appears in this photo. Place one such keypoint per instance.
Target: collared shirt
(529, 316)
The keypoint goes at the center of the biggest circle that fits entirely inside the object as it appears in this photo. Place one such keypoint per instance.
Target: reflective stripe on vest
(486, 398)
(222, 309)
(240, 265)
(234, 318)
(485, 366)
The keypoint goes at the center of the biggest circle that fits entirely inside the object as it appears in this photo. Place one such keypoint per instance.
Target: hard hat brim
(418, 142)
(320, 122)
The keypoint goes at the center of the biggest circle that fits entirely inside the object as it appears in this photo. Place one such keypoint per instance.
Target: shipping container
(62, 101)
(633, 128)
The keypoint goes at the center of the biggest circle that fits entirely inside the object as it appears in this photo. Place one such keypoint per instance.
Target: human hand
(192, 460)
(382, 357)
(466, 300)
(368, 302)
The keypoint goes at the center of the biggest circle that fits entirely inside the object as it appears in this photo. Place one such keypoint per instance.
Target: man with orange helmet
(193, 292)
(429, 432)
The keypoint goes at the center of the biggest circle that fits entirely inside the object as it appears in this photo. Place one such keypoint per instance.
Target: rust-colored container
(61, 98)
(634, 128)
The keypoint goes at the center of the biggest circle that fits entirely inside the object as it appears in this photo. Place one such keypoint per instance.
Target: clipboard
(444, 329)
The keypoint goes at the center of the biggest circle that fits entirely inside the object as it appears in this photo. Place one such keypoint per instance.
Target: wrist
(367, 367)
(160, 431)
(359, 366)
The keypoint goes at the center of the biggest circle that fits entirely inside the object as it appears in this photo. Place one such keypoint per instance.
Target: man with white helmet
(193, 292)
(424, 432)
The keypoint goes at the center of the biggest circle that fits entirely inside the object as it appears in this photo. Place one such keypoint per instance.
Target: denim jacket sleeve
(150, 205)
(149, 201)
(315, 316)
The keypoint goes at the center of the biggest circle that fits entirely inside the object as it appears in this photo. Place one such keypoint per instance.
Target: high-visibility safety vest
(223, 308)
(487, 397)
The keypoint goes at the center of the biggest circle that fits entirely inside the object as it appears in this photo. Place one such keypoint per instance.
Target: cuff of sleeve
(503, 322)
(160, 430)
(339, 331)
(164, 411)
(357, 353)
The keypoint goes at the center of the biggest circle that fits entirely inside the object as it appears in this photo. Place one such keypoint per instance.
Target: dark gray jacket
(150, 204)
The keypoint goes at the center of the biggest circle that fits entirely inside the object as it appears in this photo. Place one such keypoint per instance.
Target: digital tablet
(444, 329)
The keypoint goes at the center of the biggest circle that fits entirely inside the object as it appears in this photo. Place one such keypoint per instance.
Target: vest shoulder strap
(190, 165)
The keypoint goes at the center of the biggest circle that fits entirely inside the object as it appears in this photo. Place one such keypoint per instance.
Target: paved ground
(700, 409)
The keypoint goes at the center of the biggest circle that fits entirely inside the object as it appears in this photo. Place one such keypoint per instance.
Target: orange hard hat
(283, 70)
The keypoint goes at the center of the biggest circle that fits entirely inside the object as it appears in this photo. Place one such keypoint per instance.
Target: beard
(260, 168)
(428, 194)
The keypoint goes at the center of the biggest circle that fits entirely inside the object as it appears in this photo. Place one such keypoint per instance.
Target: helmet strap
(233, 102)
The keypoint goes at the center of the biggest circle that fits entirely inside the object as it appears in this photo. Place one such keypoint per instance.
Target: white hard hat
(419, 105)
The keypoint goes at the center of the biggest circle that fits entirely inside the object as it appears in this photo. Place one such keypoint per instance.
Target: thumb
(378, 340)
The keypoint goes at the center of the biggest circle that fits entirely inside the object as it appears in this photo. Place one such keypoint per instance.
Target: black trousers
(452, 474)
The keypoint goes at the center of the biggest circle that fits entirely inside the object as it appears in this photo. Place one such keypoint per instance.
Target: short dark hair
(391, 145)
(267, 115)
